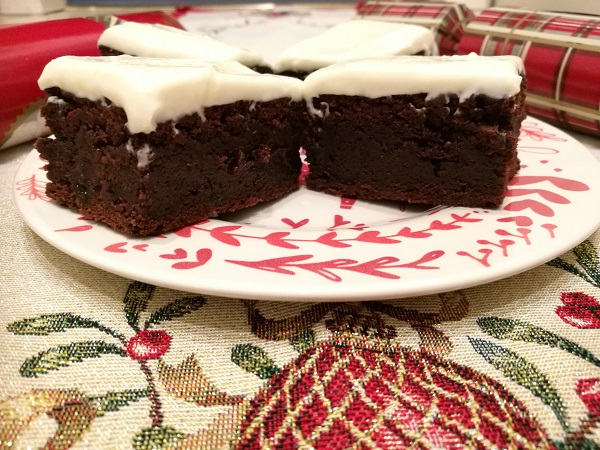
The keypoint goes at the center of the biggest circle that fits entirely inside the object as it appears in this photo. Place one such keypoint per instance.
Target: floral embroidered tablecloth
(91, 360)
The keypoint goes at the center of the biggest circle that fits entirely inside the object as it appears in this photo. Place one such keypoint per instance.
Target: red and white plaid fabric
(561, 55)
(446, 19)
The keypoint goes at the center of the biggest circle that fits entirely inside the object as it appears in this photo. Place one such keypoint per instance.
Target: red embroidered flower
(148, 344)
(588, 390)
(579, 310)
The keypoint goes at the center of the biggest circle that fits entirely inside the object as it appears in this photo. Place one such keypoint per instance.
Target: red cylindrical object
(561, 54)
(445, 19)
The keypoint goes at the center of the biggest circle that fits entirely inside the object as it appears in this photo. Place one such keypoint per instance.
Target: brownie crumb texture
(229, 157)
(407, 148)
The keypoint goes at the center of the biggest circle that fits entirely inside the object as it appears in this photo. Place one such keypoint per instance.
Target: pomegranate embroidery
(361, 388)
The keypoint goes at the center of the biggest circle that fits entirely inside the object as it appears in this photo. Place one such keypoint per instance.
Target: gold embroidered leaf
(69, 407)
(187, 381)
(222, 431)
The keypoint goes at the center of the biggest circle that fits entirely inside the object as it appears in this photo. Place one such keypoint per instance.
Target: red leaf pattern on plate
(293, 224)
(533, 205)
(32, 189)
(438, 225)
(502, 244)
(407, 232)
(522, 221)
(464, 218)
(186, 232)
(202, 257)
(546, 195)
(328, 239)
(221, 234)
(534, 131)
(280, 239)
(78, 228)
(324, 268)
(277, 240)
(178, 253)
(562, 183)
(375, 238)
(116, 248)
(338, 221)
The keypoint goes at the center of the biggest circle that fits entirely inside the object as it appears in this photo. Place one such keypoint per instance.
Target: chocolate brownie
(192, 141)
(161, 41)
(437, 130)
(354, 39)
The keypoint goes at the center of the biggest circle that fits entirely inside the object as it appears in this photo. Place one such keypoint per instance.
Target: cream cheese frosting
(494, 76)
(356, 39)
(154, 90)
(160, 41)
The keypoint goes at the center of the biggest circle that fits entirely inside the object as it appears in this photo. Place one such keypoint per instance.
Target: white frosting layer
(160, 41)
(356, 39)
(153, 90)
(494, 76)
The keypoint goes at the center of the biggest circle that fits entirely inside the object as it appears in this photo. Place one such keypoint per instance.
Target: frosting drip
(154, 90)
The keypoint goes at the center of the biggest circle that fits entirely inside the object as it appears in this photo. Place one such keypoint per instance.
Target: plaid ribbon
(445, 19)
(561, 55)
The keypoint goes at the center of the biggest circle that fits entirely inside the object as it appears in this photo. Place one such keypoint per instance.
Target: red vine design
(77, 229)
(33, 189)
(225, 234)
(324, 268)
(502, 244)
(338, 222)
(537, 206)
(202, 256)
(534, 132)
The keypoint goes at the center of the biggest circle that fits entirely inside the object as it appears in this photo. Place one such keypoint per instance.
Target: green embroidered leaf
(254, 360)
(136, 301)
(156, 438)
(115, 400)
(564, 265)
(579, 444)
(188, 382)
(50, 323)
(178, 308)
(587, 257)
(517, 330)
(523, 373)
(63, 355)
(303, 341)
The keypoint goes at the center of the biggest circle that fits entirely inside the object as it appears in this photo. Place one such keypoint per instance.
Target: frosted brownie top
(494, 76)
(355, 39)
(160, 41)
(154, 90)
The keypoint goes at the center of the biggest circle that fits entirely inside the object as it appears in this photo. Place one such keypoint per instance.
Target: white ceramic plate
(315, 247)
